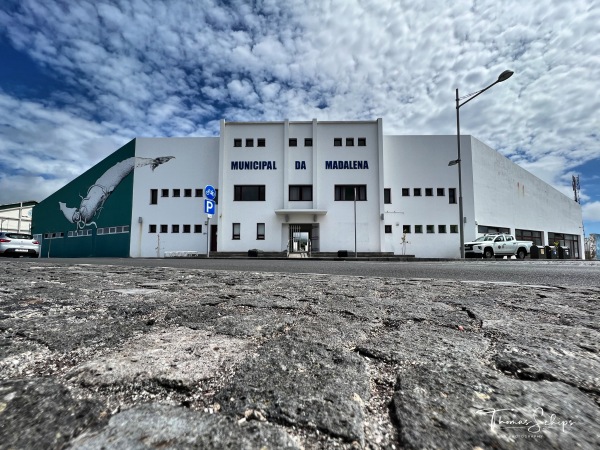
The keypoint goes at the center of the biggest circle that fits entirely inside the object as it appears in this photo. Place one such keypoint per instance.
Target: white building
(16, 217)
(290, 186)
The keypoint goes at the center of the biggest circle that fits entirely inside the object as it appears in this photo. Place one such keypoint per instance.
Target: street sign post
(210, 207)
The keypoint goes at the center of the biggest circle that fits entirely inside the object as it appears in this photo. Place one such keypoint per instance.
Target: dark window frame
(164, 228)
(302, 190)
(308, 142)
(387, 196)
(199, 192)
(187, 228)
(236, 236)
(388, 229)
(337, 142)
(261, 142)
(176, 193)
(349, 142)
(406, 229)
(152, 228)
(237, 142)
(416, 192)
(405, 192)
(345, 192)
(249, 193)
(428, 192)
(197, 228)
(249, 142)
(441, 192)
(154, 196)
(164, 192)
(430, 229)
(293, 142)
(187, 192)
(362, 142)
(260, 236)
(175, 228)
(452, 196)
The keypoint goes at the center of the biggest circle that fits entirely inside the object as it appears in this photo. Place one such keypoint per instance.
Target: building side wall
(421, 162)
(506, 195)
(193, 166)
(91, 215)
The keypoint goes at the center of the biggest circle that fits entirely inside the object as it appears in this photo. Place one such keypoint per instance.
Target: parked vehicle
(18, 244)
(498, 246)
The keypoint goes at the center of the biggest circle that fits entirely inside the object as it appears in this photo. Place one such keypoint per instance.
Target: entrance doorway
(213, 238)
(303, 239)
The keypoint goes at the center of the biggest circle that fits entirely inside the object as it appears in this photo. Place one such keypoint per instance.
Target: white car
(497, 246)
(18, 244)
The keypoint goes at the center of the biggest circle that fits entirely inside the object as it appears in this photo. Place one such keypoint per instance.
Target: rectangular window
(417, 192)
(529, 235)
(236, 232)
(349, 142)
(345, 192)
(441, 228)
(153, 196)
(406, 228)
(187, 228)
(405, 192)
(187, 192)
(418, 228)
(249, 193)
(430, 229)
(176, 192)
(362, 142)
(441, 192)
(260, 231)
(249, 142)
(164, 228)
(261, 142)
(174, 228)
(452, 195)
(337, 142)
(164, 192)
(293, 142)
(486, 229)
(428, 192)
(387, 195)
(308, 142)
(237, 142)
(453, 228)
(197, 228)
(388, 229)
(300, 193)
(198, 192)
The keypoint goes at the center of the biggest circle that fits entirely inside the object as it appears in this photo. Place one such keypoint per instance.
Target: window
(249, 193)
(452, 195)
(388, 229)
(237, 142)
(345, 192)
(405, 192)
(418, 228)
(430, 229)
(428, 192)
(417, 192)
(236, 232)
(164, 192)
(260, 231)
(249, 142)
(387, 195)
(198, 192)
(441, 192)
(441, 228)
(453, 228)
(153, 196)
(349, 142)
(187, 228)
(293, 142)
(337, 142)
(164, 228)
(300, 193)
(405, 228)
(187, 192)
(362, 142)
(151, 228)
(308, 142)
(485, 229)
(174, 228)
(529, 235)
(261, 142)
(176, 192)
(197, 228)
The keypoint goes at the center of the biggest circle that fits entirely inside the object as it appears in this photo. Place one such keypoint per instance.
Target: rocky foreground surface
(95, 357)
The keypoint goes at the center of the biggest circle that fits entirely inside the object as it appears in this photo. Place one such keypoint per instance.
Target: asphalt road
(528, 272)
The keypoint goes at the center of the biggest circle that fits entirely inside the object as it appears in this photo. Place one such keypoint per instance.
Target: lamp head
(505, 75)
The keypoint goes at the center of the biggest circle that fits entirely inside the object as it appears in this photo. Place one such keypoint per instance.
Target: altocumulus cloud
(174, 68)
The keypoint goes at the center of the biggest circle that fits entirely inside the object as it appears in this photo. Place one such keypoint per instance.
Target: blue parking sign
(209, 206)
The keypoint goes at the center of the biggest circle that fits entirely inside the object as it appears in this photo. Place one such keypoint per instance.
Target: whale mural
(91, 205)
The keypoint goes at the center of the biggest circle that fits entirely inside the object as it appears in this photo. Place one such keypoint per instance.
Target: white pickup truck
(497, 246)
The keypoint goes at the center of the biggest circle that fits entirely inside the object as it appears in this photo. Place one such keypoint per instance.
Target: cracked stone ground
(98, 357)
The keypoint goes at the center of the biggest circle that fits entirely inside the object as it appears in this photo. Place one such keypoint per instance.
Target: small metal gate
(300, 242)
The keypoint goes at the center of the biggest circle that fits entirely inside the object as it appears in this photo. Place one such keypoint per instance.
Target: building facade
(300, 187)
(16, 217)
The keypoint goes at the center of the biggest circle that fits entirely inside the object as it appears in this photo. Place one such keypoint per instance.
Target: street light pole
(467, 98)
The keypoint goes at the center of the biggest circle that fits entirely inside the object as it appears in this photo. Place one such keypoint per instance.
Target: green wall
(115, 212)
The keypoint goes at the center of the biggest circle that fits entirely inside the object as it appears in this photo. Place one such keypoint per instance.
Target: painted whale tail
(160, 160)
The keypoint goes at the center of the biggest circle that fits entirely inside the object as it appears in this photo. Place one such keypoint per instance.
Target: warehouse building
(300, 188)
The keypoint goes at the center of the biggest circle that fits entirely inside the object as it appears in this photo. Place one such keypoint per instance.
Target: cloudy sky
(78, 79)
